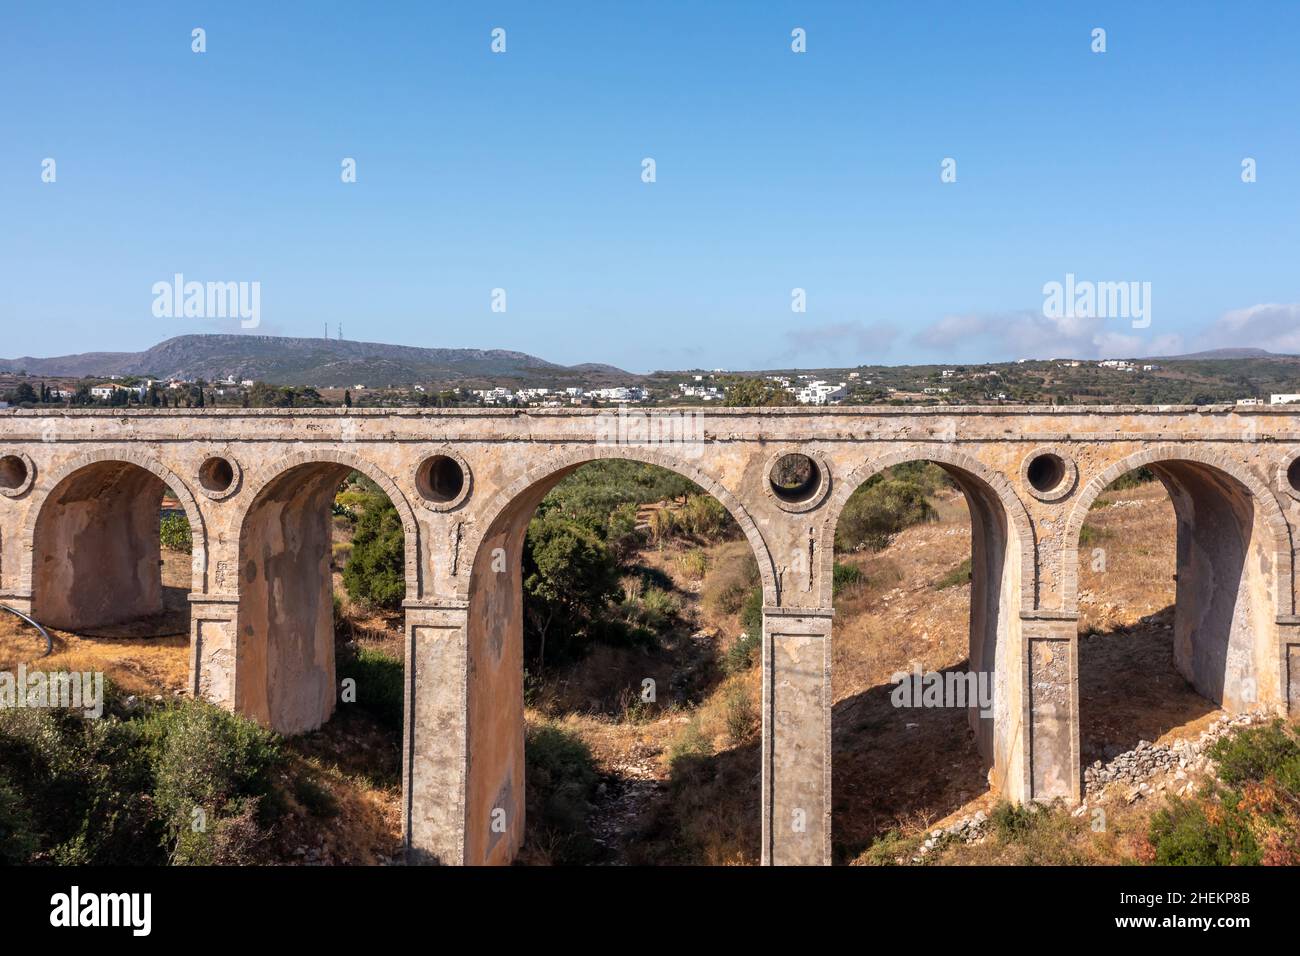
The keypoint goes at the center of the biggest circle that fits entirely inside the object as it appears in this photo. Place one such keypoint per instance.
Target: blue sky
(774, 171)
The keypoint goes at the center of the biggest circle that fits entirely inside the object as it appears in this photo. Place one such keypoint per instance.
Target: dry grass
(358, 763)
(904, 773)
(1129, 689)
(131, 655)
(1129, 572)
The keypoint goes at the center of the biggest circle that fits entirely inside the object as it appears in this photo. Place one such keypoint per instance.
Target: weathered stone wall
(284, 662)
(96, 550)
(76, 487)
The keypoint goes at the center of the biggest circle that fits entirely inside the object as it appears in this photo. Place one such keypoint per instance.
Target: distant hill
(317, 362)
(1224, 354)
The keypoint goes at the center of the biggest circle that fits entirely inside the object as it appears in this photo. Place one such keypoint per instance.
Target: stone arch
(1003, 587)
(54, 480)
(284, 647)
(1271, 513)
(558, 464)
(1234, 571)
(996, 482)
(493, 593)
(323, 456)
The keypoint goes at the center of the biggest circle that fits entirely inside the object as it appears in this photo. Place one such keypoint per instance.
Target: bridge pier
(796, 808)
(1044, 762)
(214, 675)
(435, 738)
(1288, 627)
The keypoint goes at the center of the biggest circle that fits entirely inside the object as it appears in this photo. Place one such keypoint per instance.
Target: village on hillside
(1053, 381)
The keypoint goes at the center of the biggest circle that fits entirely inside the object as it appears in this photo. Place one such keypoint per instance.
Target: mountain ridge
(302, 361)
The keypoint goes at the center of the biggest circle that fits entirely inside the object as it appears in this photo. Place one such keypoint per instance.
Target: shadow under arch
(284, 653)
(1003, 584)
(95, 544)
(494, 592)
(1233, 571)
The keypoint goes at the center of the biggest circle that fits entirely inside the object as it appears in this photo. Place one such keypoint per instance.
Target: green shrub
(843, 576)
(694, 563)
(741, 714)
(956, 577)
(880, 509)
(659, 608)
(592, 493)
(570, 577)
(1185, 834)
(84, 786)
(621, 531)
(231, 839)
(733, 577)
(205, 759)
(1013, 822)
(380, 684)
(663, 525)
(1256, 753)
(1132, 479)
(562, 780)
(746, 650)
(691, 745)
(121, 790)
(174, 533)
(318, 800)
(888, 848)
(18, 836)
(376, 570)
(751, 614)
(704, 517)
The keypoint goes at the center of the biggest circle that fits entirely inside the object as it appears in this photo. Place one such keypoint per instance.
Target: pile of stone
(1133, 767)
(969, 829)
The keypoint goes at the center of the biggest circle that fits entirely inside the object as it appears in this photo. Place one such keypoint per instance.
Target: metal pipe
(49, 641)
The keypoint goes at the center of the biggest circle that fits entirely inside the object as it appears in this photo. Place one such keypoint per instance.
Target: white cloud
(998, 336)
(1271, 326)
(853, 341)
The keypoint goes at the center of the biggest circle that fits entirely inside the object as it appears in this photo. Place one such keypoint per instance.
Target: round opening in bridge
(1293, 475)
(795, 478)
(216, 475)
(13, 472)
(440, 479)
(1046, 472)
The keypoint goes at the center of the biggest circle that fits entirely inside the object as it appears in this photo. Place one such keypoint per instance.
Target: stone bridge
(79, 493)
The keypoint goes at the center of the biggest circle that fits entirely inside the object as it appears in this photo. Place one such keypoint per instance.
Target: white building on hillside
(821, 393)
